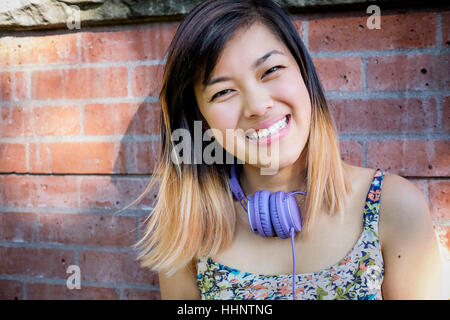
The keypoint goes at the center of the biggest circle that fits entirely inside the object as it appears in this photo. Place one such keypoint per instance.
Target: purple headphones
(270, 215)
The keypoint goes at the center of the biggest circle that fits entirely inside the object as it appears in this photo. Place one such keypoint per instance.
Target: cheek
(221, 120)
(294, 93)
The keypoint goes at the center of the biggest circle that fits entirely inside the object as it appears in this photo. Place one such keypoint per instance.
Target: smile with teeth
(264, 133)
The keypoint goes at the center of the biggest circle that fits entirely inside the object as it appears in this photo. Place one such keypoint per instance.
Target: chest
(331, 238)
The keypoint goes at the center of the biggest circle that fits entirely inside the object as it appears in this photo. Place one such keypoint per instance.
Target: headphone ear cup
(263, 216)
(281, 219)
(276, 212)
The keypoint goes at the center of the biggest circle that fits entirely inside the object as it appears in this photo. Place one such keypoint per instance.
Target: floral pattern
(358, 276)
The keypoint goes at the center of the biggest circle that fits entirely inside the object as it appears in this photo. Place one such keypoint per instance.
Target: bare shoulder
(403, 208)
(408, 242)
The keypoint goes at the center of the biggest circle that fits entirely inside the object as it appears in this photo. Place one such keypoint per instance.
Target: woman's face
(258, 83)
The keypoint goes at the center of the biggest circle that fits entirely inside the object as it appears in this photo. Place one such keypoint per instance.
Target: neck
(287, 179)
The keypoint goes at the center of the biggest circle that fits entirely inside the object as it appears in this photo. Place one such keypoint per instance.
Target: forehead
(248, 44)
(240, 52)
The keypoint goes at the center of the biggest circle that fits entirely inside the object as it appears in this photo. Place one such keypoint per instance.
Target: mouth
(277, 130)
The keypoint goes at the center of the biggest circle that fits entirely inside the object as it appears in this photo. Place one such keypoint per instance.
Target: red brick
(446, 29)
(13, 86)
(446, 114)
(143, 156)
(15, 190)
(36, 262)
(17, 226)
(108, 119)
(55, 191)
(439, 194)
(339, 74)
(11, 290)
(46, 291)
(39, 191)
(117, 193)
(100, 192)
(147, 119)
(122, 118)
(79, 83)
(39, 49)
(420, 158)
(351, 152)
(11, 121)
(140, 294)
(77, 157)
(149, 42)
(146, 80)
(87, 229)
(404, 72)
(52, 121)
(12, 157)
(385, 115)
(398, 31)
(114, 267)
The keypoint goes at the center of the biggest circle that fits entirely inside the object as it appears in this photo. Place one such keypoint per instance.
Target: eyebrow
(255, 65)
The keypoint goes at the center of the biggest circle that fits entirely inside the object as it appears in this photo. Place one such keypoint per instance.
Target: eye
(220, 93)
(273, 69)
(223, 92)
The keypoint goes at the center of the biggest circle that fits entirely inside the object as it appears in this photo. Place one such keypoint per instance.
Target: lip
(266, 124)
(272, 138)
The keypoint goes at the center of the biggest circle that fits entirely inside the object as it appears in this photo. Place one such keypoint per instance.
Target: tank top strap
(372, 206)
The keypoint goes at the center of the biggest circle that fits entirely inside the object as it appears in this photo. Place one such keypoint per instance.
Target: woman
(240, 67)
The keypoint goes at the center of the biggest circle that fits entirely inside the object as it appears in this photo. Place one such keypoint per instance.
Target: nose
(257, 102)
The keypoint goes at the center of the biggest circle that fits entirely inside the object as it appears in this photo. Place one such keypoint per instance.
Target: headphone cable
(293, 259)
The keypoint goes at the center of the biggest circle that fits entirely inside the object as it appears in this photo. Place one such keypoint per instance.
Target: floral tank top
(358, 276)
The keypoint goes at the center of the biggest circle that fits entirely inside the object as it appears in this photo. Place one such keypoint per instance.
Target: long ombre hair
(194, 214)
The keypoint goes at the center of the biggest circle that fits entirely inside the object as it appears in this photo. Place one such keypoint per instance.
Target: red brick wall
(79, 135)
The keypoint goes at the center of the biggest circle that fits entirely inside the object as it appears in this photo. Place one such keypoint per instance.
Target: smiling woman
(241, 68)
